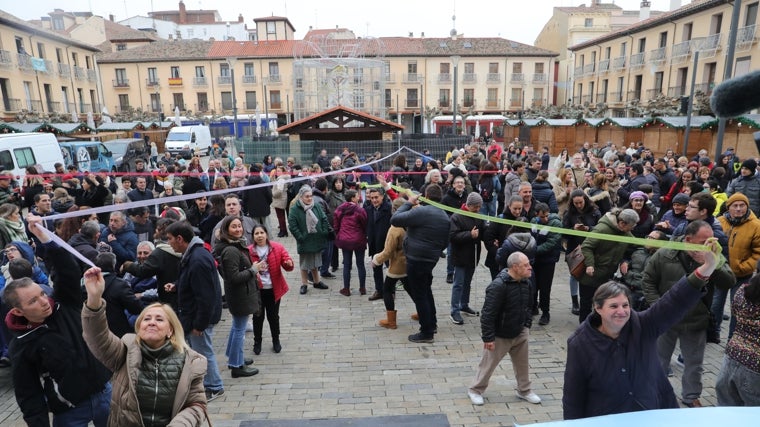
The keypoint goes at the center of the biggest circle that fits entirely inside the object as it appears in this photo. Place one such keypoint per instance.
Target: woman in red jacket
(272, 283)
(350, 223)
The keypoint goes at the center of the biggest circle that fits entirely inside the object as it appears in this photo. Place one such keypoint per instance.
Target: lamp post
(455, 60)
(398, 118)
(231, 62)
(728, 72)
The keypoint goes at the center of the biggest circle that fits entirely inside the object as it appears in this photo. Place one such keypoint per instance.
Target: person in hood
(53, 371)
(199, 304)
(120, 235)
(20, 250)
(350, 223)
(747, 183)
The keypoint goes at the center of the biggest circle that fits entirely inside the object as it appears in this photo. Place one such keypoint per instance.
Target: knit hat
(638, 195)
(681, 199)
(737, 197)
(474, 199)
(750, 164)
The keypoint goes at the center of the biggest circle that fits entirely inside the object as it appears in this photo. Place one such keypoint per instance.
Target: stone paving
(337, 363)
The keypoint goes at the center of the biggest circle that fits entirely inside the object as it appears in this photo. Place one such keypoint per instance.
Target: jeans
(95, 408)
(202, 344)
(419, 275)
(460, 290)
(574, 286)
(489, 208)
(236, 342)
(737, 385)
(449, 265)
(348, 254)
(693, 345)
(719, 303)
(327, 254)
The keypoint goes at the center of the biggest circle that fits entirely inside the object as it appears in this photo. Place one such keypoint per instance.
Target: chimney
(110, 17)
(422, 34)
(182, 13)
(240, 18)
(675, 4)
(644, 11)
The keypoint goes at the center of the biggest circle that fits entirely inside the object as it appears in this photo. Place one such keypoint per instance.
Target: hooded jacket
(27, 252)
(603, 255)
(350, 224)
(199, 293)
(743, 239)
(750, 187)
(163, 263)
(125, 245)
(427, 231)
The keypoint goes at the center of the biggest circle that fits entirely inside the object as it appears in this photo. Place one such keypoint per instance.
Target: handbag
(576, 262)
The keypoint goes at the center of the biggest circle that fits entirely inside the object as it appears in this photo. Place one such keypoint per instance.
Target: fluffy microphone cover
(736, 96)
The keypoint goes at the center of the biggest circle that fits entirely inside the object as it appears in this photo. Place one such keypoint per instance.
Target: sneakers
(544, 320)
(693, 404)
(320, 285)
(243, 371)
(475, 398)
(375, 296)
(456, 319)
(327, 275)
(420, 338)
(213, 394)
(529, 397)
(449, 278)
(303, 290)
(470, 312)
(345, 292)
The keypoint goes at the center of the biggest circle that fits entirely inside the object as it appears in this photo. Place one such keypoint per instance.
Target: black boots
(257, 346)
(576, 308)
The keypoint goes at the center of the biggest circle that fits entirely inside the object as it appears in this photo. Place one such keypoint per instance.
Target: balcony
(619, 63)
(274, 79)
(53, 107)
(653, 93)
(48, 67)
(24, 61)
(12, 104)
(175, 81)
(634, 94)
(151, 82)
(601, 98)
(412, 103)
(275, 105)
(34, 105)
(224, 80)
(469, 78)
(587, 99)
(250, 105)
(637, 60)
(79, 73)
(680, 51)
(412, 78)
(705, 88)
(578, 72)
(493, 77)
(92, 75)
(537, 102)
(202, 107)
(5, 58)
(604, 65)
(711, 42)
(444, 78)
(616, 97)
(492, 103)
(444, 103)
(517, 78)
(576, 100)
(515, 103)
(539, 78)
(249, 79)
(468, 102)
(588, 69)
(390, 78)
(181, 107)
(657, 56)
(122, 109)
(121, 83)
(85, 108)
(64, 70)
(675, 91)
(745, 37)
(200, 81)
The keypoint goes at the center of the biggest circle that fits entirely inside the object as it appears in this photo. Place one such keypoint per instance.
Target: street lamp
(455, 60)
(231, 62)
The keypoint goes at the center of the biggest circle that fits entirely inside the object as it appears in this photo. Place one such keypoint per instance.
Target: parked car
(87, 156)
(126, 151)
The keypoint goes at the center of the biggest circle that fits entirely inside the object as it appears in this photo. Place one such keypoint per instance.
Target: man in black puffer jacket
(505, 321)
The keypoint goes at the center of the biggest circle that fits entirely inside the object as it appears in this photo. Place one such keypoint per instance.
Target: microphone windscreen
(736, 96)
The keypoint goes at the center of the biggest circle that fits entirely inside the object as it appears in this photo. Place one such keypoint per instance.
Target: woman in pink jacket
(350, 223)
(272, 283)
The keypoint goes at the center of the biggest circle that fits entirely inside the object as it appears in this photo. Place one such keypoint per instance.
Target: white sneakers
(475, 398)
(529, 397)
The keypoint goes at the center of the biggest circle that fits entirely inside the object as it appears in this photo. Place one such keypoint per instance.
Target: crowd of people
(165, 269)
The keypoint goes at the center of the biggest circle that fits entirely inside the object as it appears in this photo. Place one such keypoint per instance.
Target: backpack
(486, 190)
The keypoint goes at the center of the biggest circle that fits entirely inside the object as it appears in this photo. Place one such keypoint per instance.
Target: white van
(197, 138)
(21, 150)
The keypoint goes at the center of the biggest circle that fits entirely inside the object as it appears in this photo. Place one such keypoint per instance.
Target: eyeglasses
(9, 250)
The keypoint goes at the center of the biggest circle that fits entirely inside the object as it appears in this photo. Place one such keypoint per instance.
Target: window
(155, 102)
(152, 76)
(469, 98)
(123, 102)
(493, 97)
(388, 100)
(411, 98)
(493, 67)
(580, 90)
(74, 58)
(248, 69)
(469, 68)
(224, 69)
(538, 68)
(87, 60)
(20, 47)
(271, 27)
(444, 98)
(58, 23)
(686, 32)
(65, 99)
(358, 98)
(642, 45)
(358, 76)
(742, 66)
(121, 46)
(226, 100)
(200, 71)
(538, 96)
(588, 22)
(59, 54)
(175, 72)
(663, 39)
(517, 67)
(179, 100)
(623, 48)
(190, 33)
(411, 67)
(658, 79)
(121, 77)
(607, 52)
(6, 160)
(715, 23)
(274, 71)
(250, 100)
(445, 68)
(202, 101)
(274, 99)
(751, 15)
(24, 157)
(40, 50)
(516, 99)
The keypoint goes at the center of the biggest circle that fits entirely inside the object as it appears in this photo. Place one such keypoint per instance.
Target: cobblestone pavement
(336, 362)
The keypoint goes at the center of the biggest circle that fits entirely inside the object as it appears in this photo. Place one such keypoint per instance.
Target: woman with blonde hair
(238, 174)
(11, 225)
(157, 379)
(219, 183)
(563, 186)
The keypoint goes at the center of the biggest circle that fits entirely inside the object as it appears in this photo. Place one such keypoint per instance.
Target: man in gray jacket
(427, 234)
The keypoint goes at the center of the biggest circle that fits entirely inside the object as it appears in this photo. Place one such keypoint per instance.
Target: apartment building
(398, 78)
(660, 55)
(42, 71)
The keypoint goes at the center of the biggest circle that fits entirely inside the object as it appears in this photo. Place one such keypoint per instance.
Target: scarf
(12, 231)
(311, 217)
(736, 221)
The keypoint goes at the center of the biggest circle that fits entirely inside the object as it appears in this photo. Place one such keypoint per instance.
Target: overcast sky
(517, 20)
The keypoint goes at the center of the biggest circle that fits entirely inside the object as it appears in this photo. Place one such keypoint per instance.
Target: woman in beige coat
(393, 254)
(148, 386)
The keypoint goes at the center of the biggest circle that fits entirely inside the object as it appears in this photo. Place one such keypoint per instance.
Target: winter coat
(465, 250)
(124, 357)
(94, 198)
(120, 297)
(611, 376)
(276, 257)
(589, 217)
(454, 200)
(645, 224)
(750, 187)
(163, 263)
(257, 200)
(601, 198)
(512, 183)
(199, 294)
(506, 308)
(84, 246)
(350, 227)
(393, 253)
(666, 267)
(51, 364)
(603, 255)
(248, 225)
(335, 199)
(378, 223)
(240, 286)
(494, 235)
(548, 244)
(125, 245)
(522, 242)
(624, 192)
(427, 231)
(543, 192)
(743, 244)
(308, 243)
